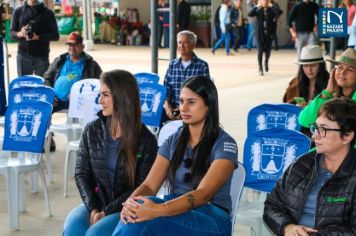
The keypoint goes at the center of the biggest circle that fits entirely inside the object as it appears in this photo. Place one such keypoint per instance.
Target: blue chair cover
(268, 116)
(146, 77)
(26, 124)
(268, 153)
(152, 97)
(25, 80)
(31, 93)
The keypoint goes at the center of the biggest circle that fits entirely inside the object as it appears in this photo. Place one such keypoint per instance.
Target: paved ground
(240, 88)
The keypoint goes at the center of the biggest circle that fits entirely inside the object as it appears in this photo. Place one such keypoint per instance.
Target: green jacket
(309, 114)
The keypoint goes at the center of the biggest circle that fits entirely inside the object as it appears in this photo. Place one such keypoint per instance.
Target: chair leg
(66, 166)
(13, 198)
(45, 190)
(22, 192)
(47, 148)
(34, 182)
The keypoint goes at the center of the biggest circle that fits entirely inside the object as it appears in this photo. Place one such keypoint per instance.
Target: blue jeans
(224, 37)
(29, 65)
(250, 35)
(206, 220)
(77, 223)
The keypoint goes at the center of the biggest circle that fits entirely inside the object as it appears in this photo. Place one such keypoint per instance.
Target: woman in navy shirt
(198, 162)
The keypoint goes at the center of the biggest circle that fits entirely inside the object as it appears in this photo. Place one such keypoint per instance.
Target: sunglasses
(188, 163)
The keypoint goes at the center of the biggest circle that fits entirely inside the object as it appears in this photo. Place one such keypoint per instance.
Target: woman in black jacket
(265, 16)
(115, 154)
(317, 194)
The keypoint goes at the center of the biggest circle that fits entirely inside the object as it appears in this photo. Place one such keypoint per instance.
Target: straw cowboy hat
(347, 57)
(310, 54)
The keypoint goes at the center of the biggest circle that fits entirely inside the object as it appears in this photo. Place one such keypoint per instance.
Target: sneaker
(53, 145)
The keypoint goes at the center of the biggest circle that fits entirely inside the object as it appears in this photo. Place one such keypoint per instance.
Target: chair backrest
(146, 77)
(237, 184)
(32, 92)
(152, 97)
(26, 124)
(167, 130)
(268, 153)
(25, 80)
(268, 116)
(84, 99)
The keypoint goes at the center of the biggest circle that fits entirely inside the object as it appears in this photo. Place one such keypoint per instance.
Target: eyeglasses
(187, 163)
(347, 69)
(321, 130)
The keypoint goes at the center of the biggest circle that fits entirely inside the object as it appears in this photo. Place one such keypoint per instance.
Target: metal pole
(87, 32)
(154, 36)
(172, 29)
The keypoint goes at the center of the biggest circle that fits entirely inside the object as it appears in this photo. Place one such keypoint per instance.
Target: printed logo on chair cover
(31, 93)
(267, 116)
(26, 124)
(25, 80)
(152, 97)
(146, 77)
(268, 153)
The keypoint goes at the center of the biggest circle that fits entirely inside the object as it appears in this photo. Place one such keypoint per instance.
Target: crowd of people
(120, 168)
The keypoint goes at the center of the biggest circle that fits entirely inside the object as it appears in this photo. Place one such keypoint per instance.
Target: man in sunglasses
(69, 68)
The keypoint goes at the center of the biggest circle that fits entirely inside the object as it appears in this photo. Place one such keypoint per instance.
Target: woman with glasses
(342, 83)
(316, 195)
(116, 152)
(198, 162)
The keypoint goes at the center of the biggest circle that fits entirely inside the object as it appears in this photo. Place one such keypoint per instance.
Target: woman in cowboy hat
(311, 79)
(342, 83)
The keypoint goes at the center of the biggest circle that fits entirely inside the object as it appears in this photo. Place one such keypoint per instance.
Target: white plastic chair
(167, 130)
(25, 126)
(72, 127)
(237, 184)
(89, 107)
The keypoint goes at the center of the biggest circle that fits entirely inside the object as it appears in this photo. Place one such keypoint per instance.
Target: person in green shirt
(342, 83)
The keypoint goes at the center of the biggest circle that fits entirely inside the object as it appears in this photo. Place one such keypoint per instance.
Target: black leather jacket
(336, 203)
(91, 171)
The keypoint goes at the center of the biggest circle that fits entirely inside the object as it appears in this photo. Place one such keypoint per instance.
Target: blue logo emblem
(332, 22)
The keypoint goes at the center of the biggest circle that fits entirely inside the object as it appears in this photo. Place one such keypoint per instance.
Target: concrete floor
(240, 88)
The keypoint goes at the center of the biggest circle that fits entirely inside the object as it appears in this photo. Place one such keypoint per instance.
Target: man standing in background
(34, 26)
(183, 15)
(305, 25)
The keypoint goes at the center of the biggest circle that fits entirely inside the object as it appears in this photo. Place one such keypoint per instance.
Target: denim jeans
(224, 37)
(77, 223)
(250, 35)
(28, 65)
(206, 220)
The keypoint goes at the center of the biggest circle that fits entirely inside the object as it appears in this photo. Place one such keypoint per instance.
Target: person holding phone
(311, 79)
(342, 83)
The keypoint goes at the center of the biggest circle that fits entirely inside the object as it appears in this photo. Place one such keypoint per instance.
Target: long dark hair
(205, 88)
(126, 115)
(321, 81)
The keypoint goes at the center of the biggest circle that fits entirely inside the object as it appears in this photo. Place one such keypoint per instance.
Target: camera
(30, 29)
(176, 112)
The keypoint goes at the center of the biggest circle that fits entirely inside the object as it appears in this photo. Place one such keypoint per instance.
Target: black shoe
(266, 66)
(260, 71)
(53, 145)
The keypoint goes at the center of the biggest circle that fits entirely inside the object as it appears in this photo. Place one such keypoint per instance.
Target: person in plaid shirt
(180, 69)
